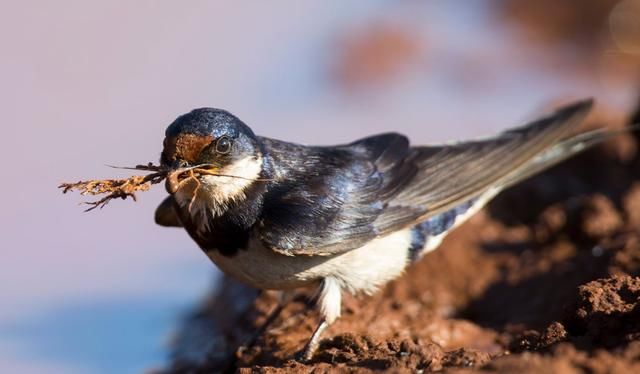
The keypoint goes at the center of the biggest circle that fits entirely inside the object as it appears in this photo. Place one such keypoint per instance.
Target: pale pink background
(87, 83)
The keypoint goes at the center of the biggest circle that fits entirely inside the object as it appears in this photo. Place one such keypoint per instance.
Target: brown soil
(546, 279)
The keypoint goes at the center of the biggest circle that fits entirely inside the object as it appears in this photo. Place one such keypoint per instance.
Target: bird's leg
(314, 342)
(330, 300)
(283, 300)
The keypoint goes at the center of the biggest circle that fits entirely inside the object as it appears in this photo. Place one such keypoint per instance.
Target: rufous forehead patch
(185, 147)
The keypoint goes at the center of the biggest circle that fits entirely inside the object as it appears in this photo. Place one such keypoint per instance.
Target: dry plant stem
(114, 188)
(192, 176)
(124, 188)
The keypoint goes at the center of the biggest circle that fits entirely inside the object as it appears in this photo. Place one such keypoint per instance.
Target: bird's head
(222, 147)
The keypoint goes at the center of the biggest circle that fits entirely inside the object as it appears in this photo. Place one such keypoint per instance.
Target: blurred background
(85, 84)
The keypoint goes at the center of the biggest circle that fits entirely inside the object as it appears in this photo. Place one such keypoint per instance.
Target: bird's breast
(363, 269)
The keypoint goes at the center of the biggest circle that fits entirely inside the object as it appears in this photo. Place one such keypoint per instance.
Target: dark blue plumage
(208, 122)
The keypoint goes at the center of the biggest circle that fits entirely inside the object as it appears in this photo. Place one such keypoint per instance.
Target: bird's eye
(223, 145)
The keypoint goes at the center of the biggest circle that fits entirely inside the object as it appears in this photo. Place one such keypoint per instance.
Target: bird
(278, 215)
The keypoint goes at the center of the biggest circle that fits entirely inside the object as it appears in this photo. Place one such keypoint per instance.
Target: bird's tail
(562, 151)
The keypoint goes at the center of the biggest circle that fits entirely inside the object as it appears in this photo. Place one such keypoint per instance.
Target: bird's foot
(312, 346)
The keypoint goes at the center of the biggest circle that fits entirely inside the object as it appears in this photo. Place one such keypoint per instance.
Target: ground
(545, 279)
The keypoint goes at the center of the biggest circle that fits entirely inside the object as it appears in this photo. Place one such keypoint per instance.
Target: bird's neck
(218, 211)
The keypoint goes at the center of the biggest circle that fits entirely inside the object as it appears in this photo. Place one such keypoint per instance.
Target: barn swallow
(278, 215)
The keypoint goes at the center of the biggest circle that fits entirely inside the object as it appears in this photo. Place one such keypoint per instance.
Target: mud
(545, 279)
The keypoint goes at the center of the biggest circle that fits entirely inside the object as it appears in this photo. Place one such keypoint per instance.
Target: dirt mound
(546, 279)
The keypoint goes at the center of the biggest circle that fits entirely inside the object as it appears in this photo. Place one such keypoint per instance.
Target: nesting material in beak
(176, 178)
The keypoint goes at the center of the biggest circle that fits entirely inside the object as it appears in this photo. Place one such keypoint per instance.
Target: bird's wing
(328, 199)
(166, 214)
(378, 185)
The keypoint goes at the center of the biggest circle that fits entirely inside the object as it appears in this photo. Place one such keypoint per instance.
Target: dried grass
(117, 188)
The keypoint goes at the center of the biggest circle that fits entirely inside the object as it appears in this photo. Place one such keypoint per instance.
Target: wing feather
(452, 174)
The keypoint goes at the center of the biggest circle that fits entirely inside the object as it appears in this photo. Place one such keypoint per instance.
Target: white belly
(359, 270)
